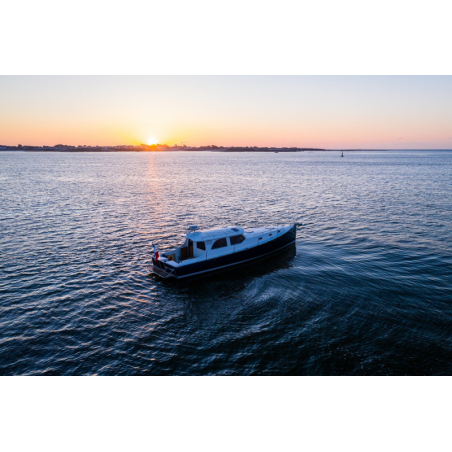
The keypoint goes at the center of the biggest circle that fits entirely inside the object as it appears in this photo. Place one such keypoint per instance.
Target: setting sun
(152, 141)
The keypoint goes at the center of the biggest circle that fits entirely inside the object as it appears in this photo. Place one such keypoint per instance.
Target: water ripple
(368, 289)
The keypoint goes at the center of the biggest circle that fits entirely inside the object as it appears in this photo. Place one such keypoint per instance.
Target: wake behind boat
(214, 249)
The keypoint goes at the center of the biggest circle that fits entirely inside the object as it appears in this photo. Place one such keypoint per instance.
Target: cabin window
(236, 239)
(220, 243)
(201, 246)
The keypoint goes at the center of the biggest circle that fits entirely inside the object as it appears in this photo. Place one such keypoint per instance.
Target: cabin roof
(210, 234)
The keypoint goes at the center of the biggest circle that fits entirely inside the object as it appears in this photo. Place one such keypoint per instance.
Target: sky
(332, 112)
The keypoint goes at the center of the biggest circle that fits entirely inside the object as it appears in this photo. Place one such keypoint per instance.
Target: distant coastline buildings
(151, 148)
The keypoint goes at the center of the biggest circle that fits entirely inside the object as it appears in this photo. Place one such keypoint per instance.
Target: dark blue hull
(240, 257)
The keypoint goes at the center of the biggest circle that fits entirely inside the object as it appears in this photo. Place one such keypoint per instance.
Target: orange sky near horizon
(393, 112)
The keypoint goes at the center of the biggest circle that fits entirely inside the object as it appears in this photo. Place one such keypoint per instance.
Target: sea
(367, 289)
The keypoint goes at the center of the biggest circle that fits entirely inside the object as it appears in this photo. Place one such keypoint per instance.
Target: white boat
(215, 249)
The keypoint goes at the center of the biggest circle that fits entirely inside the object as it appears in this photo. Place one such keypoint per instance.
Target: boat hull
(229, 260)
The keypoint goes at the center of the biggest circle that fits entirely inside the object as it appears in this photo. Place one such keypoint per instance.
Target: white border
(236, 37)
(225, 414)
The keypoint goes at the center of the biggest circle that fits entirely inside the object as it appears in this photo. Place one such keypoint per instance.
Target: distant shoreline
(259, 150)
(230, 150)
(168, 149)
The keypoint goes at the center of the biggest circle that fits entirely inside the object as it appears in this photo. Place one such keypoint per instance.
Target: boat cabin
(198, 243)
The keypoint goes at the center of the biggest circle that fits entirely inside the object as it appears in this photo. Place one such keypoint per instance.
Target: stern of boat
(159, 268)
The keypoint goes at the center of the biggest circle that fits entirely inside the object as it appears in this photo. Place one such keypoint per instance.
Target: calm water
(368, 289)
